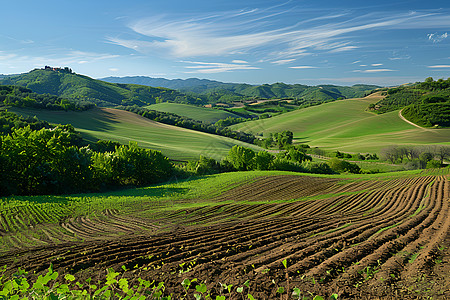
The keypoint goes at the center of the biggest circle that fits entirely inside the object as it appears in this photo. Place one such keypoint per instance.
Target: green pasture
(203, 114)
(122, 126)
(345, 125)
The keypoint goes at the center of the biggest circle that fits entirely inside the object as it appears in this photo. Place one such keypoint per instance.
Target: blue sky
(308, 42)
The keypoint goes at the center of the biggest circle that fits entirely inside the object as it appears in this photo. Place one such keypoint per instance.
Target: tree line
(9, 121)
(417, 157)
(17, 96)
(54, 161)
(293, 159)
(424, 103)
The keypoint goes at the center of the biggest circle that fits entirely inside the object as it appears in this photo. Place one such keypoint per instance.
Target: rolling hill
(346, 125)
(67, 84)
(426, 103)
(203, 114)
(190, 84)
(225, 92)
(122, 126)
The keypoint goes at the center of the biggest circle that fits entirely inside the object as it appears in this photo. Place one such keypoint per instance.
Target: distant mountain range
(200, 85)
(232, 90)
(143, 91)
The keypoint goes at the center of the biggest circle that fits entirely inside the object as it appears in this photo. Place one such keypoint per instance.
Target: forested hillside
(426, 103)
(65, 83)
(215, 91)
(10, 121)
(24, 97)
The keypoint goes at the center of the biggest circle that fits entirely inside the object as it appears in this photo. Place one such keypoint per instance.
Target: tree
(263, 160)
(342, 166)
(297, 156)
(204, 165)
(241, 158)
(390, 153)
(433, 164)
(441, 152)
(320, 168)
(284, 138)
(142, 166)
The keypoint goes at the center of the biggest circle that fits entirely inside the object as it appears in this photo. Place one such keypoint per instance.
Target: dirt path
(409, 122)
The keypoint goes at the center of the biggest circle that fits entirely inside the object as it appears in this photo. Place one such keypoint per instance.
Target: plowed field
(368, 237)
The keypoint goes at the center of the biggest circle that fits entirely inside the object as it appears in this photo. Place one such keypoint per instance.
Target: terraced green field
(123, 126)
(194, 112)
(346, 126)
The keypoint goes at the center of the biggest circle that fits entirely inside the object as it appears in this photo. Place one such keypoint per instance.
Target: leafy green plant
(47, 286)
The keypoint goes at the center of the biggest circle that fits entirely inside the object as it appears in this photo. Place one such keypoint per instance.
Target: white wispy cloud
(7, 56)
(209, 67)
(235, 32)
(436, 38)
(342, 49)
(283, 61)
(376, 65)
(356, 61)
(237, 61)
(303, 67)
(400, 57)
(66, 58)
(378, 80)
(439, 66)
(374, 70)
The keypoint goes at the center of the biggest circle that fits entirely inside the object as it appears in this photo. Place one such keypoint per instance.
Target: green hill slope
(203, 114)
(345, 125)
(426, 103)
(215, 91)
(123, 126)
(79, 87)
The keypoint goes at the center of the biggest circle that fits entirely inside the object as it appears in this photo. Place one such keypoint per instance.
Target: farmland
(194, 112)
(384, 235)
(347, 126)
(123, 126)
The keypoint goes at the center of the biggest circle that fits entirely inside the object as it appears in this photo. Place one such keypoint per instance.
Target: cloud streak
(68, 58)
(303, 67)
(208, 67)
(263, 31)
(439, 66)
(374, 70)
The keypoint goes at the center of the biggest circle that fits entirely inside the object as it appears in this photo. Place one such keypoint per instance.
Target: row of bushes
(54, 161)
(417, 157)
(9, 121)
(50, 161)
(23, 97)
(244, 159)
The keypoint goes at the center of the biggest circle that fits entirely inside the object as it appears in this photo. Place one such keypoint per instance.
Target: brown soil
(380, 239)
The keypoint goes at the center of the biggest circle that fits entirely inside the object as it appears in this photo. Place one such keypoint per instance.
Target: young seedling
(297, 293)
(280, 291)
(226, 287)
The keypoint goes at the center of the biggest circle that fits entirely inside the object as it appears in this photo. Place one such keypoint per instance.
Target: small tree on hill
(241, 158)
